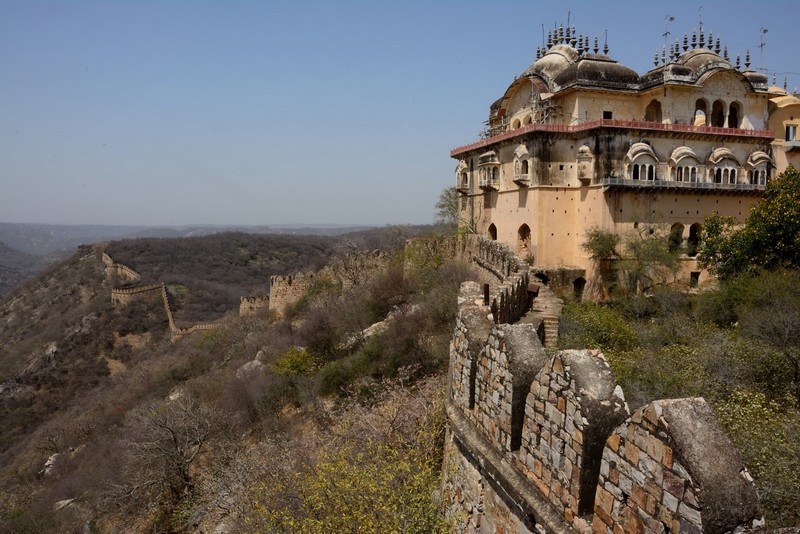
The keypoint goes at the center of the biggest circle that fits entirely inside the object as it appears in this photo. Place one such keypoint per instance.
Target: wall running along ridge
(347, 270)
(250, 305)
(117, 269)
(539, 443)
(126, 295)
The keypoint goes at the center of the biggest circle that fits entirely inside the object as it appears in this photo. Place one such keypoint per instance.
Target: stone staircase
(545, 312)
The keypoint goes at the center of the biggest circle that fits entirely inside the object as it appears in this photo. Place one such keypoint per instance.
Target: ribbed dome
(553, 62)
(598, 70)
(702, 59)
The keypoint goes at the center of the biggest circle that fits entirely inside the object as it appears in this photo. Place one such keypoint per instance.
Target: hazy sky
(269, 112)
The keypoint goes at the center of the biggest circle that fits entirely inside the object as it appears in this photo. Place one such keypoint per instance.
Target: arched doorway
(492, 232)
(694, 240)
(700, 113)
(578, 286)
(653, 111)
(734, 115)
(675, 237)
(718, 113)
(524, 239)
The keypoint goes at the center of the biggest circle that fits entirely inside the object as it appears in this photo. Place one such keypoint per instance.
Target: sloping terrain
(16, 266)
(207, 275)
(108, 426)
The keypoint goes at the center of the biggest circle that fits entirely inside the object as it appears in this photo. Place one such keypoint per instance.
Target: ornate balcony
(522, 180)
(695, 187)
(487, 184)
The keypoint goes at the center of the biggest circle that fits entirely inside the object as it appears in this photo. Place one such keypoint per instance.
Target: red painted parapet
(614, 123)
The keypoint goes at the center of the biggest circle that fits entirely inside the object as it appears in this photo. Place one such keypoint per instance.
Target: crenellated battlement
(118, 269)
(126, 295)
(250, 305)
(540, 443)
(285, 290)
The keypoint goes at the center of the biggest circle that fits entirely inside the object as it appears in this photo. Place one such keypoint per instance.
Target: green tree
(646, 261)
(769, 239)
(600, 244)
(447, 207)
(448, 212)
(773, 317)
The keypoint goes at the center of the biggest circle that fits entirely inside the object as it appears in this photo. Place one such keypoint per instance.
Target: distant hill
(41, 239)
(208, 274)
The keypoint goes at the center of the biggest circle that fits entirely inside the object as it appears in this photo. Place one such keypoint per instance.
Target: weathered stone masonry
(547, 444)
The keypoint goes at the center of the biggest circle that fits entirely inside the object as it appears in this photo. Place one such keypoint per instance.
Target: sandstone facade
(580, 141)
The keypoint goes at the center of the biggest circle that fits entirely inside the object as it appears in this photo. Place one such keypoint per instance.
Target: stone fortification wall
(180, 332)
(547, 444)
(286, 290)
(671, 468)
(126, 295)
(117, 269)
(573, 405)
(250, 305)
(347, 270)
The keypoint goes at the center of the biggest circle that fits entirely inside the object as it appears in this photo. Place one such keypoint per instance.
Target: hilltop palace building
(581, 141)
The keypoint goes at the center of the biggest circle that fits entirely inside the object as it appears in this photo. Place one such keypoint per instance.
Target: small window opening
(607, 115)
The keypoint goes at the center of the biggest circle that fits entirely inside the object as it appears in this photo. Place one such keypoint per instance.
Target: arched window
(494, 174)
(653, 111)
(718, 113)
(515, 124)
(641, 162)
(675, 237)
(524, 237)
(718, 176)
(700, 113)
(694, 175)
(694, 240)
(734, 115)
(492, 232)
(759, 164)
(524, 168)
(527, 120)
(464, 181)
(733, 176)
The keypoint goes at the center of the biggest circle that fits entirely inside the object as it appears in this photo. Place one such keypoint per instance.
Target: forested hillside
(109, 426)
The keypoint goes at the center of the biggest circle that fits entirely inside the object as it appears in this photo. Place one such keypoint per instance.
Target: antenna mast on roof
(700, 17)
(543, 41)
(667, 20)
(761, 32)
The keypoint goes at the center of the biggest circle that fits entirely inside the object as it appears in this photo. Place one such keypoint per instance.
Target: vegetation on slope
(231, 424)
(734, 345)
